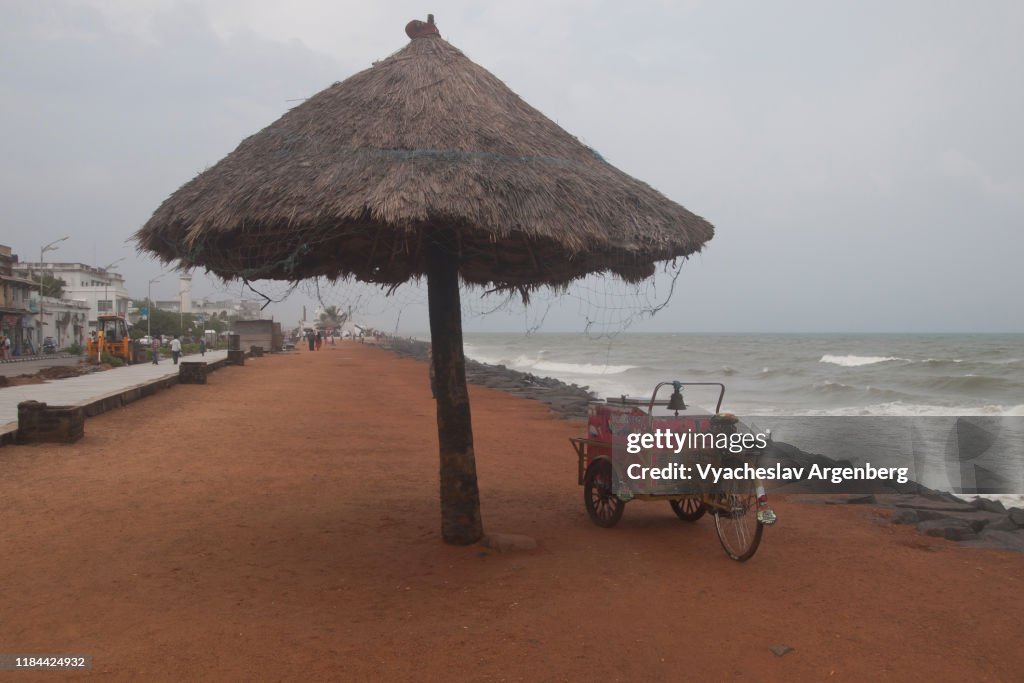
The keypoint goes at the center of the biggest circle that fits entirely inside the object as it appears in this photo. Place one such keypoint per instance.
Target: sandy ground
(281, 523)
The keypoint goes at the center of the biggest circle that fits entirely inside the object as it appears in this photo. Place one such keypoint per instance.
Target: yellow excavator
(111, 337)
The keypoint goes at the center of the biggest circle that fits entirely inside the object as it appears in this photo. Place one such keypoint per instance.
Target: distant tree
(333, 316)
(218, 326)
(329, 314)
(52, 286)
(171, 323)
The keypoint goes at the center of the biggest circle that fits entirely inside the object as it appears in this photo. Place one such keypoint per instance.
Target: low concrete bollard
(192, 372)
(40, 423)
(236, 357)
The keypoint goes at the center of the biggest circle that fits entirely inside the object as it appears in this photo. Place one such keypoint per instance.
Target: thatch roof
(352, 181)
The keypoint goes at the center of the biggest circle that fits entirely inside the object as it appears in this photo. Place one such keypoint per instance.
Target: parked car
(146, 341)
(49, 345)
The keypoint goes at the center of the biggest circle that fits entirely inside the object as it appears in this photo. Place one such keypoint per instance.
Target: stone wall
(40, 423)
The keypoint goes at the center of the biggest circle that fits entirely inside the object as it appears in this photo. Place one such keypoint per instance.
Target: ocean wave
(840, 389)
(534, 364)
(700, 372)
(852, 361)
(767, 372)
(828, 388)
(940, 362)
(970, 383)
(903, 409)
(1009, 500)
(582, 368)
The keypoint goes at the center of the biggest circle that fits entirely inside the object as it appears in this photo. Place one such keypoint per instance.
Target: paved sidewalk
(74, 390)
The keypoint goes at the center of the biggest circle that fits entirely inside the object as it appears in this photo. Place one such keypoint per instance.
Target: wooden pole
(460, 498)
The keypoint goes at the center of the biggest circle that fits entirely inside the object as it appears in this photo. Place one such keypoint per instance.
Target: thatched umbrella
(426, 165)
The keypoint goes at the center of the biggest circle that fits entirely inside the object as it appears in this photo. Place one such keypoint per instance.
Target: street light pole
(149, 308)
(42, 250)
(106, 282)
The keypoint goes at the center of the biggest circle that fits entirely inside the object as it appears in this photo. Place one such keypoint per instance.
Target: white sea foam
(1009, 500)
(538, 364)
(901, 409)
(855, 361)
(570, 368)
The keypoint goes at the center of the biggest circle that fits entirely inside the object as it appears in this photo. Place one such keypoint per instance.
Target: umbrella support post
(460, 499)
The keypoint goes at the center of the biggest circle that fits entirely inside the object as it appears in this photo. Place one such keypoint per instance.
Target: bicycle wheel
(689, 509)
(603, 506)
(739, 530)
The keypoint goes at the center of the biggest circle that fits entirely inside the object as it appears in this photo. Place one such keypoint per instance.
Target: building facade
(18, 305)
(222, 310)
(228, 308)
(66, 320)
(102, 291)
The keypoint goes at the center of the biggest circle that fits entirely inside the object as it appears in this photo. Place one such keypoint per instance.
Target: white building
(244, 310)
(65, 320)
(102, 290)
(222, 310)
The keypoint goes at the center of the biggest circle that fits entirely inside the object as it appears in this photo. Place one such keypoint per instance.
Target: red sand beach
(282, 523)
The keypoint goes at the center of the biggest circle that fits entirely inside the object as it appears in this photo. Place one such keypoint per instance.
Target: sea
(785, 374)
(921, 376)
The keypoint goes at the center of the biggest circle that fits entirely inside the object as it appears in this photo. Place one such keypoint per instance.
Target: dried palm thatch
(351, 181)
(423, 165)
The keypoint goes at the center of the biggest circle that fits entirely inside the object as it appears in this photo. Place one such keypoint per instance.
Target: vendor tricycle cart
(739, 506)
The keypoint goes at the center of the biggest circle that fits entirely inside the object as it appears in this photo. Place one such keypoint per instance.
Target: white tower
(185, 293)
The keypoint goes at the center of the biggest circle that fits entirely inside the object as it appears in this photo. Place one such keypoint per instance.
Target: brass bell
(675, 402)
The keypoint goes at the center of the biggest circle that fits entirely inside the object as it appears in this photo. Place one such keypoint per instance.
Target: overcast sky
(861, 161)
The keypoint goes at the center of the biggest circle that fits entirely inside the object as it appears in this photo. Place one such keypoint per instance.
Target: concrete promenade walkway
(85, 388)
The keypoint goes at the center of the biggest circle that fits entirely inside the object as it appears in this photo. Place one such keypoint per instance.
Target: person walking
(154, 346)
(202, 347)
(310, 339)
(175, 349)
(319, 340)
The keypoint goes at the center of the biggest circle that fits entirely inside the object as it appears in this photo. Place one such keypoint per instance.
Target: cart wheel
(603, 506)
(739, 530)
(689, 509)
